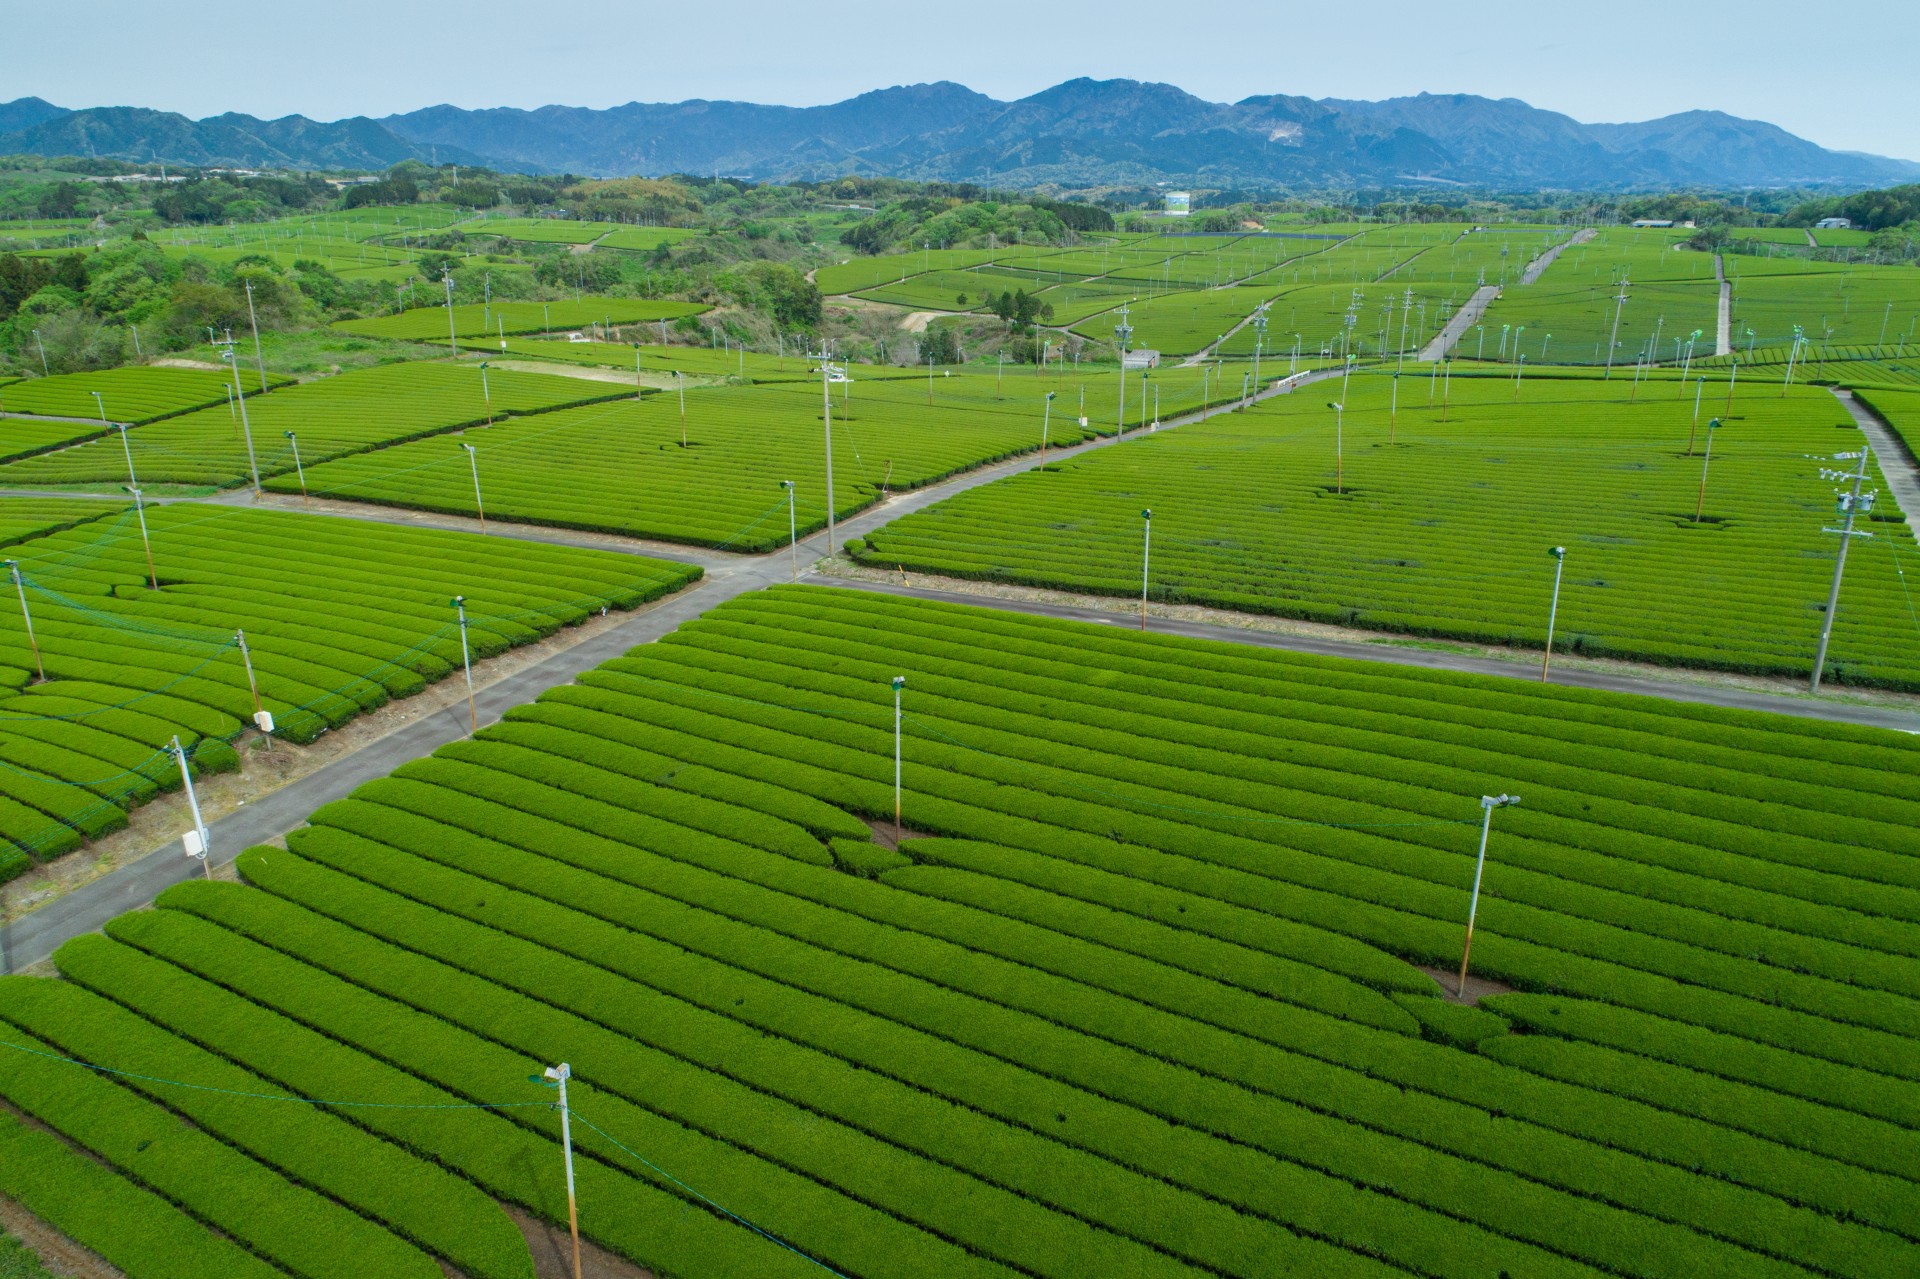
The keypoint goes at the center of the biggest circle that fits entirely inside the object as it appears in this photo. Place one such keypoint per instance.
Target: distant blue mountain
(1080, 133)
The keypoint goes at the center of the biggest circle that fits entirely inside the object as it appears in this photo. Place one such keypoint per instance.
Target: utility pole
(1046, 421)
(453, 340)
(1121, 332)
(225, 347)
(459, 603)
(1559, 554)
(1851, 505)
(259, 360)
(195, 840)
(1487, 804)
(1259, 341)
(827, 371)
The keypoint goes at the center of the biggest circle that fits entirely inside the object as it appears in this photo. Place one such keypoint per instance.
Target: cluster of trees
(223, 198)
(1019, 309)
(80, 311)
(950, 222)
(1868, 210)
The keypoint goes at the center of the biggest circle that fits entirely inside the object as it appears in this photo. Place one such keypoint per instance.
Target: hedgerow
(507, 1156)
(129, 1226)
(1440, 528)
(416, 1199)
(340, 618)
(282, 1222)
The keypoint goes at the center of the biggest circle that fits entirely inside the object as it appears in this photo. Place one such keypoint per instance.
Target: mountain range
(1083, 133)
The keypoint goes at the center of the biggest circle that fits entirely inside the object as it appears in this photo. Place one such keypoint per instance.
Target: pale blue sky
(1839, 75)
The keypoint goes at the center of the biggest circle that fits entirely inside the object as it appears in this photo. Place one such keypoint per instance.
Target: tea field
(431, 323)
(1138, 995)
(349, 412)
(1440, 528)
(136, 394)
(339, 618)
(621, 467)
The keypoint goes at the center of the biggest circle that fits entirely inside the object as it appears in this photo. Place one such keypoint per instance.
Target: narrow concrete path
(1723, 330)
(1436, 659)
(1539, 265)
(1896, 461)
(1811, 242)
(1465, 318)
(48, 417)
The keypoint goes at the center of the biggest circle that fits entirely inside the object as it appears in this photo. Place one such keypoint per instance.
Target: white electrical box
(263, 720)
(1083, 420)
(196, 847)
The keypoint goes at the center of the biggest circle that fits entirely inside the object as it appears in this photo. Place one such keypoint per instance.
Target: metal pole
(485, 393)
(1847, 535)
(298, 469)
(473, 459)
(1121, 332)
(1487, 804)
(1146, 551)
(1705, 461)
(140, 509)
(259, 360)
(899, 682)
(559, 1075)
(466, 660)
(260, 720)
(1559, 554)
(1339, 475)
(1046, 420)
(193, 805)
(793, 530)
(13, 566)
(240, 396)
(1613, 339)
(826, 417)
(453, 340)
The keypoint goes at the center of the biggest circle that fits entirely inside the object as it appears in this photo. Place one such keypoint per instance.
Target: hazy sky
(1841, 76)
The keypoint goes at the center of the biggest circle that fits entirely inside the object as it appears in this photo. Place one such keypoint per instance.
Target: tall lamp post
(1146, 552)
(1559, 554)
(1487, 804)
(1851, 505)
(1706, 460)
(1339, 473)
